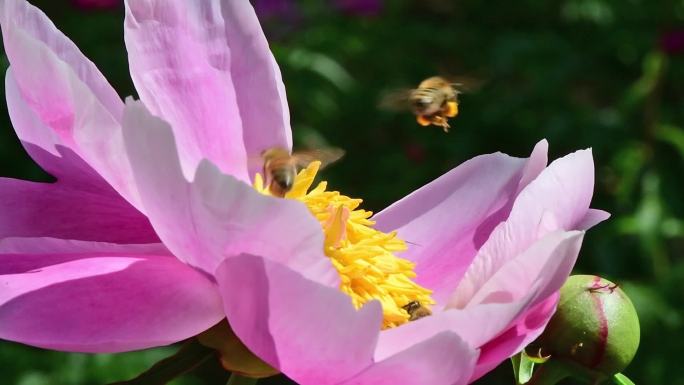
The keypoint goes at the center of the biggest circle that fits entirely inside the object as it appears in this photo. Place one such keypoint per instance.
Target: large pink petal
(515, 281)
(524, 330)
(216, 215)
(482, 323)
(205, 67)
(80, 205)
(99, 301)
(441, 360)
(311, 332)
(447, 220)
(66, 93)
(69, 211)
(257, 80)
(558, 199)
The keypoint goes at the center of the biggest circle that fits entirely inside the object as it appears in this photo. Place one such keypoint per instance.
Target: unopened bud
(595, 327)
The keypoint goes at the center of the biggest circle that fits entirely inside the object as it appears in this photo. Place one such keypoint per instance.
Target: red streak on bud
(603, 321)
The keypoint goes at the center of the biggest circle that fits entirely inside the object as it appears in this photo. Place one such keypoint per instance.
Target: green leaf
(621, 379)
(523, 367)
(190, 356)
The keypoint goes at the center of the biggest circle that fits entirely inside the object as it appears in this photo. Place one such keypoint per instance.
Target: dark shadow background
(606, 74)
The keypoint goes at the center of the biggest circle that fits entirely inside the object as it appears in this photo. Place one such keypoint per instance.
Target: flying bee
(281, 167)
(434, 101)
(416, 310)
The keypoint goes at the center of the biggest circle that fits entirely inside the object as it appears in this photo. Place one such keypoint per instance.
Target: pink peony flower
(158, 227)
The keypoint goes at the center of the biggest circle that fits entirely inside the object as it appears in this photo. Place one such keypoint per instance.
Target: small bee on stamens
(416, 311)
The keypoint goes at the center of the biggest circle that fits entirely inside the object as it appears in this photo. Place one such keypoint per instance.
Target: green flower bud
(595, 328)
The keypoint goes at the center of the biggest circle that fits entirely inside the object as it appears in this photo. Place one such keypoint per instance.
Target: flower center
(363, 256)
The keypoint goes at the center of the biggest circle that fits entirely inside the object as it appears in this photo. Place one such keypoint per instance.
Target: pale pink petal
(441, 360)
(480, 323)
(69, 211)
(205, 67)
(446, 221)
(257, 80)
(216, 215)
(592, 218)
(558, 199)
(102, 301)
(310, 332)
(525, 330)
(80, 205)
(66, 94)
(516, 278)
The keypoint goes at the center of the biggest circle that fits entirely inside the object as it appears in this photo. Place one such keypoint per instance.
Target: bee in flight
(416, 310)
(281, 167)
(434, 101)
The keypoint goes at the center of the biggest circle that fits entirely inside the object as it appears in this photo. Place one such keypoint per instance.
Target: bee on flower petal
(281, 166)
(434, 101)
(416, 310)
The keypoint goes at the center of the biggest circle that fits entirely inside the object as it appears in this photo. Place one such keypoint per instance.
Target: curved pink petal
(518, 276)
(558, 199)
(447, 220)
(102, 301)
(205, 67)
(66, 92)
(592, 218)
(525, 330)
(80, 205)
(510, 324)
(216, 215)
(257, 80)
(310, 332)
(69, 211)
(441, 360)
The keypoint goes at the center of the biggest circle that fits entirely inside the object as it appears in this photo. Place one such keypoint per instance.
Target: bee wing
(396, 100)
(466, 83)
(325, 155)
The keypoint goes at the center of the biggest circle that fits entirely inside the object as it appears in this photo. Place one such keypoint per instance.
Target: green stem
(550, 373)
(236, 379)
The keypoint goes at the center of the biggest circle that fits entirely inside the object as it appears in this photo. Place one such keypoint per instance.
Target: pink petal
(443, 359)
(525, 330)
(69, 211)
(592, 218)
(257, 80)
(481, 323)
(447, 220)
(102, 301)
(65, 92)
(80, 205)
(558, 199)
(518, 276)
(311, 332)
(546, 265)
(216, 215)
(205, 67)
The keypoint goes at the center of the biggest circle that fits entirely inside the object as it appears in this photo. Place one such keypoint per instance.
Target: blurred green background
(606, 74)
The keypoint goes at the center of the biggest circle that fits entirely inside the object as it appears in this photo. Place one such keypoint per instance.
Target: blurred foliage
(606, 74)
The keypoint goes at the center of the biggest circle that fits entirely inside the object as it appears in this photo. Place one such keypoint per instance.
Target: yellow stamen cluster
(363, 256)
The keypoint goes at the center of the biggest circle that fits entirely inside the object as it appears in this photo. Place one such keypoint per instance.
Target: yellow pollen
(363, 256)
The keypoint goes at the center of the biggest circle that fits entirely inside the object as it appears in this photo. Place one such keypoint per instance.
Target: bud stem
(236, 379)
(550, 373)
